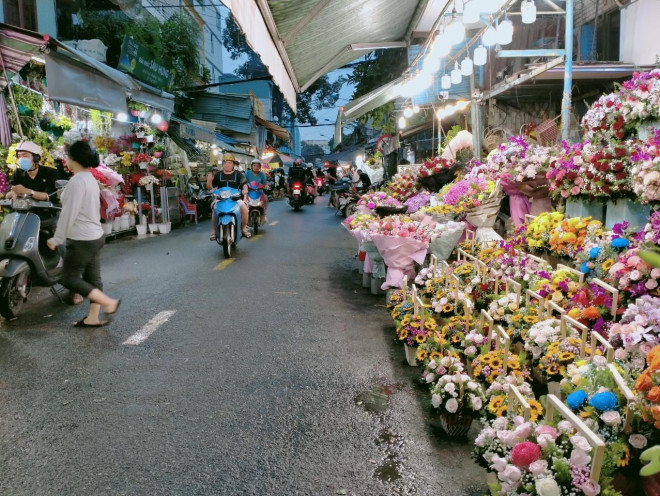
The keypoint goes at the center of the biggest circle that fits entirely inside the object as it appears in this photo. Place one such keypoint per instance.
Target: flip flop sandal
(247, 234)
(116, 308)
(82, 323)
(213, 237)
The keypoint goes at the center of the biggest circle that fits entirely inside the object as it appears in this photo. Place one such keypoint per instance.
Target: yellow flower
(574, 313)
(420, 338)
(607, 264)
(501, 412)
(566, 356)
(495, 403)
(625, 457)
(403, 333)
(447, 308)
(530, 319)
(435, 355)
(535, 409)
(496, 363)
(422, 354)
(516, 318)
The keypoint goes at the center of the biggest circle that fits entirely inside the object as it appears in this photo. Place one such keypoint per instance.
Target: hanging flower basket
(158, 154)
(135, 113)
(455, 424)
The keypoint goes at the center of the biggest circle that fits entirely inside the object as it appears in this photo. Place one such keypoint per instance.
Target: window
(218, 22)
(21, 13)
(212, 45)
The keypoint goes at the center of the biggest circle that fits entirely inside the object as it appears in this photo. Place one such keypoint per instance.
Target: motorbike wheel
(227, 240)
(350, 209)
(254, 220)
(11, 299)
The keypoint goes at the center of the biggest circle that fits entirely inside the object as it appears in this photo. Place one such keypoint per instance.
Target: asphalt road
(272, 374)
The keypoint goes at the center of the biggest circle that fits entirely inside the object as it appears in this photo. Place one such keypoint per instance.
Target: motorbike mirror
(61, 183)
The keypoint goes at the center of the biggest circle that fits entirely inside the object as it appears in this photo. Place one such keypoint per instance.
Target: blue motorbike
(227, 215)
(256, 206)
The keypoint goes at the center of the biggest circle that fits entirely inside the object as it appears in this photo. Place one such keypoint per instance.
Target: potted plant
(137, 109)
(158, 150)
(141, 129)
(141, 160)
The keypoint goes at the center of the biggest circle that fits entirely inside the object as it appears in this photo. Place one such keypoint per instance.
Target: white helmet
(29, 146)
(255, 161)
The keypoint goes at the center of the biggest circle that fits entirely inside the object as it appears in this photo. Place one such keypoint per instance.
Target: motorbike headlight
(225, 195)
(21, 204)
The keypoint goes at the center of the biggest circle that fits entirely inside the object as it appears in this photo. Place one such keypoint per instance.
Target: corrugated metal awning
(17, 46)
(301, 40)
(278, 131)
(229, 112)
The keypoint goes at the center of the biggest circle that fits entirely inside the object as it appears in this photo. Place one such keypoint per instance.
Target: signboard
(138, 61)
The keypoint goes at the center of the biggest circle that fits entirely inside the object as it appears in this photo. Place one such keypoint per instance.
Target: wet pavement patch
(390, 467)
(375, 400)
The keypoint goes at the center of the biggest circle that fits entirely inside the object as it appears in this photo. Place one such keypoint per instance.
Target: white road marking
(274, 223)
(146, 331)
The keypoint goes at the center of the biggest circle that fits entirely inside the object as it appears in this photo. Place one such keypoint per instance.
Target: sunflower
(625, 457)
(430, 325)
(535, 409)
(435, 355)
(565, 356)
(607, 264)
(530, 319)
(406, 320)
(501, 412)
(516, 318)
(495, 403)
(415, 324)
(422, 354)
(496, 363)
(513, 364)
(485, 359)
(553, 369)
(447, 307)
(403, 333)
(420, 338)
(476, 370)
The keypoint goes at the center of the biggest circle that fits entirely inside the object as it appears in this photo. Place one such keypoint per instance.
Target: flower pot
(149, 138)
(153, 228)
(143, 165)
(411, 355)
(141, 229)
(366, 280)
(136, 146)
(135, 113)
(455, 424)
(116, 224)
(139, 135)
(158, 154)
(107, 228)
(627, 210)
(376, 283)
(583, 208)
(164, 227)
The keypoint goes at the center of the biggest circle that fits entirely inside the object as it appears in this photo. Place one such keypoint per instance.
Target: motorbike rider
(227, 176)
(365, 180)
(296, 173)
(311, 176)
(255, 174)
(30, 178)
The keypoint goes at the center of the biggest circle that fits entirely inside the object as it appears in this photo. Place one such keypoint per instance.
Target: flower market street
(273, 374)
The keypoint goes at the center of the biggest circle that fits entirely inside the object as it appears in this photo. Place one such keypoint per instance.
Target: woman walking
(79, 227)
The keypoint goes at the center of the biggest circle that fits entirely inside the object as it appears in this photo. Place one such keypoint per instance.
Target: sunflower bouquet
(487, 367)
(413, 332)
(540, 229)
(396, 297)
(435, 347)
(497, 398)
(558, 356)
(465, 271)
(441, 211)
(558, 287)
(568, 238)
(455, 329)
(483, 293)
(448, 303)
(401, 310)
(519, 322)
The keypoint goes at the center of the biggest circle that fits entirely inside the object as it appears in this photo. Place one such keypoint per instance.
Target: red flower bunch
(141, 157)
(524, 454)
(434, 165)
(607, 170)
(98, 176)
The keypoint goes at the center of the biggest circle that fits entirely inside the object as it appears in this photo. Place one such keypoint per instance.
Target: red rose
(571, 176)
(609, 104)
(618, 166)
(620, 152)
(599, 301)
(621, 176)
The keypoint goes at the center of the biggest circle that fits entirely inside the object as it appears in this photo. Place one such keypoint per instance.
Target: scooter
(25, 259)
(204, 201)
(309, 189)
(227, 215)
(297, 197)
(320, 185)
(256, 206)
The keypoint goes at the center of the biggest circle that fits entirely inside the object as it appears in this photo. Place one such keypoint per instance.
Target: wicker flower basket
(455, 424)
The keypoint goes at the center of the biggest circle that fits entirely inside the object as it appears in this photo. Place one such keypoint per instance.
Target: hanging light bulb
(505, 32)
(416, 109)
(156, 119)
(407, 112)
(466, 66)
(441, 45)
(489, 37)
(480, 55)
(471, 11)
(122, 117)
(445, 82)
(528, 11)
(456, 77)
(402, 123)
(455, 31)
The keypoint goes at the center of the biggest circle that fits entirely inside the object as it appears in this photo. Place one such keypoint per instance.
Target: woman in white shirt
(79, 227)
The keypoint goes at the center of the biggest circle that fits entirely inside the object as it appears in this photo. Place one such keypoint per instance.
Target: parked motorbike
(25, 259)
(297, 197)
(227, 218)
(256, 206)
(204, 201)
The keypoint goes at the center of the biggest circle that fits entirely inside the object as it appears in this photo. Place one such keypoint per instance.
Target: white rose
(581, 443)
(547, 487)
(436, 400)
(451, 405)
(450, 387)
(611, 418)
(564, 426)
(476, 403)
(500, 423)
(637, 441)
(472, 386)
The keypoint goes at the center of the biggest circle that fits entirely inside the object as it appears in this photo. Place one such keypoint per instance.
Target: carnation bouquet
(457, 394)
(645, 173)
(566, 171)
(402, 187)
(467, 193)
(435, 172)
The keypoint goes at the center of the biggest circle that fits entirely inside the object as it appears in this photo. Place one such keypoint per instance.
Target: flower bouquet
(645, 173)
(459, 399)
(111, 159)
(371, 201)
(637, 333)
(435, 172)
(640, 99)
(141, 129)
(439, 365)
(566, 172)
(558, 287)
(497, 399)
(141, 159)
(607, 170)
(149, 181)
(441, 213)
(416, 202)
(540, 228)
(596, 260)
(487, 367)
(413, 331)
(604, 120)
(634, 276)
(540, 336)
(647, 389)
(568, 238)
(402, 187)
(484, 214)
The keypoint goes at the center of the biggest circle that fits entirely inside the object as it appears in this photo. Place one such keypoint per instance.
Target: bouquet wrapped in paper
(484, 214)
(446, 241)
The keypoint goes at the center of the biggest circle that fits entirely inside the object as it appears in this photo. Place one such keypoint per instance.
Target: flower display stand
(153, 228)
(411, 355)
(624, 209)
(455, 424)
(141, 229)
(583, 208)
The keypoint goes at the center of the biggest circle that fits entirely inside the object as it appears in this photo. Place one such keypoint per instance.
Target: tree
(321, 94)
(379, 68)
(310, 150)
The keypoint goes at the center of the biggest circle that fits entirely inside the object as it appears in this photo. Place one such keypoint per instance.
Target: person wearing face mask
(30, 178)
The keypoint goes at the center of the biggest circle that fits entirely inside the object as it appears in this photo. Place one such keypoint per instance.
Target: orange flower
(654, 395)
(591, 313)
(644, 382)
(653, 355)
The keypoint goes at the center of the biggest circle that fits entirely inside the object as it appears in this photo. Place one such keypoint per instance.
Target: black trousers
(82, 266)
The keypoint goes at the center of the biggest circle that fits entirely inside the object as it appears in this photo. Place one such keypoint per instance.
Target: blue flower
(576, 400)
(584, 269)
(594, 252)
(620, 243)
(604, 401)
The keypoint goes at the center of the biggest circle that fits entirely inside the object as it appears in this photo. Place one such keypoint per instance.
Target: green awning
(17, 47)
